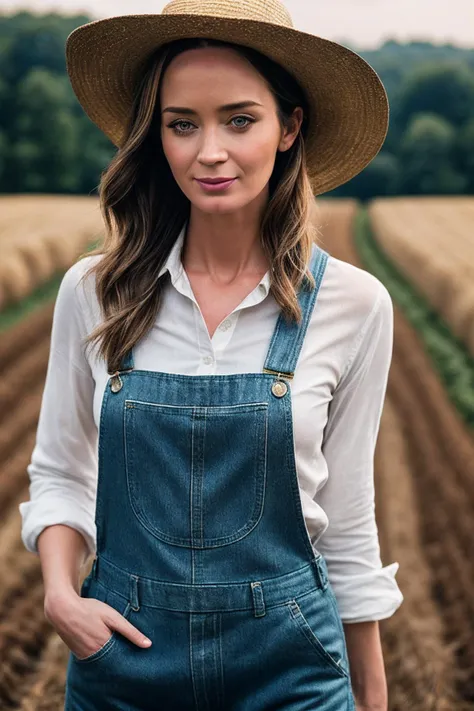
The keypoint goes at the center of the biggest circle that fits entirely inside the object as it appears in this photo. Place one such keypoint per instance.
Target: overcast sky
(365, 23)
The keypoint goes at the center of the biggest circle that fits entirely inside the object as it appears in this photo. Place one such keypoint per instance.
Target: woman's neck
(223, 246)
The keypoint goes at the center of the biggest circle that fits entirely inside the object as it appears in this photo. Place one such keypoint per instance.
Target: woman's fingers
(125, 628)
(87, 624)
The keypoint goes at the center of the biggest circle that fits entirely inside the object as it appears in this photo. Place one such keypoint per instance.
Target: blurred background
(408, 218)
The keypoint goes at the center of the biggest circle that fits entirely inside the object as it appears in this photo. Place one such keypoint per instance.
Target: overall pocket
(314, 617)
(196, 475)
(92, 588)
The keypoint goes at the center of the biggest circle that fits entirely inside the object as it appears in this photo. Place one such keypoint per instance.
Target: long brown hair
(144, 210)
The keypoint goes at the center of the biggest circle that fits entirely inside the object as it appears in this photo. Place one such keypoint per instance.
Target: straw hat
(348, 104)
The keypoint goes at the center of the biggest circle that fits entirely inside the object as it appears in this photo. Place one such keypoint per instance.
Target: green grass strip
(14, 313)
(450, 356)
(40, 296)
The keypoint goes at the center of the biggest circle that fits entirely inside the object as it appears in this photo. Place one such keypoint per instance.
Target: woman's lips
(216, 187)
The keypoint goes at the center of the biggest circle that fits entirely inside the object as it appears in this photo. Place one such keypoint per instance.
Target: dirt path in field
(425, 512)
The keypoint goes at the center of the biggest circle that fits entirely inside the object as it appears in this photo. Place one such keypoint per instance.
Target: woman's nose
(211, 149)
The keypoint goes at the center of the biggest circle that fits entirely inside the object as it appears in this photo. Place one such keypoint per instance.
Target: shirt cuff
(38, 514)
(369, 596)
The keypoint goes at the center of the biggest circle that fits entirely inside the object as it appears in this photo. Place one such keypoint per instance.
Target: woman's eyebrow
(226, 107)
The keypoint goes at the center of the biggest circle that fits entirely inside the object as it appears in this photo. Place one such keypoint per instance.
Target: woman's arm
(58, 520)
(366, 592)
(62, 552)
(368, 678)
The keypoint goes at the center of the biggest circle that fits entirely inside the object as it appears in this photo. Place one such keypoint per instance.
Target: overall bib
(202, 545)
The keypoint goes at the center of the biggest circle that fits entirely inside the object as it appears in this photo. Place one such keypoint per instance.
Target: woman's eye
(178, 125)
(243, 118)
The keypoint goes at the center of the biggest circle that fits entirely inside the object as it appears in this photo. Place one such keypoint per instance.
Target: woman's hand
(86, 624)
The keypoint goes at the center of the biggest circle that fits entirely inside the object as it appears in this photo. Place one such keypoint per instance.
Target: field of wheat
(431, 241)
(41, 235)
(424, 506)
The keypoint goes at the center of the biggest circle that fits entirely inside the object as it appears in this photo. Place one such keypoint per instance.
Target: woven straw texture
(348, 104)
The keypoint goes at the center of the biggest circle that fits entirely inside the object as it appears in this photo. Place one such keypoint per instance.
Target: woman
(237, 383)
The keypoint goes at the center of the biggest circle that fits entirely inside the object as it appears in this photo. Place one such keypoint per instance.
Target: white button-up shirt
(337, 394)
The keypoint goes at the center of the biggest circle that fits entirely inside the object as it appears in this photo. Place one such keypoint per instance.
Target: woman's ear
(291, 132)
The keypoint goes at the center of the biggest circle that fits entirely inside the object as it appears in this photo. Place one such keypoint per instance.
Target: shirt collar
(173, 262)
(175, 267)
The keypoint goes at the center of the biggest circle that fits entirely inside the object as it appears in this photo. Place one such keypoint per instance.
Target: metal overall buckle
(279, 387)
(116, 382)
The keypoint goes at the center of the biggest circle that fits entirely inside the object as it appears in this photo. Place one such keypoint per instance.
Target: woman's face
(203, 137)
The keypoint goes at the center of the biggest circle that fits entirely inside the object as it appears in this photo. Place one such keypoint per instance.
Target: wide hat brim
(349, 110)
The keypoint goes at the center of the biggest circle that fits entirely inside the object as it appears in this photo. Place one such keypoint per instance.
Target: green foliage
(47, 143)
(46, 148)
(464, 153)
(431, 94)
(426, 149)
(453, 362)
(380, 179)
(445, 89)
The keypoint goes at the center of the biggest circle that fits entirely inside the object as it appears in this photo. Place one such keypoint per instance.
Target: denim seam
(193, 678)
(222, 685)
(303, 624)
(203, 661)
(291, 465)
(244, 407)
(100, 470)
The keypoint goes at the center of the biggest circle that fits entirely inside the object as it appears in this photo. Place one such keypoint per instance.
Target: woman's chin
(217, 204)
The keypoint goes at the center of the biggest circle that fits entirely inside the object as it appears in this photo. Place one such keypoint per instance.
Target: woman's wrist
(62, 551)
(59, 599)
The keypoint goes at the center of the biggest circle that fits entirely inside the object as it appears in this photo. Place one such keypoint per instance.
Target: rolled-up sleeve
(365, 589)
(63, 465)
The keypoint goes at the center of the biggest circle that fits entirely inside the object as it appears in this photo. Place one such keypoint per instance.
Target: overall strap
(127, 362)
(288, 337)
(115, 381)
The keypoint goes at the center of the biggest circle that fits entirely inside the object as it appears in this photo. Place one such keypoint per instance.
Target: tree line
(49, 145)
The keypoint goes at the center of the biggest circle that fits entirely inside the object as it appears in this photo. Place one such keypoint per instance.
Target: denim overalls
(202, 545)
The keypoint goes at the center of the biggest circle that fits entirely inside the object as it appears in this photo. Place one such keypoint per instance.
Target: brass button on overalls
(279, 388)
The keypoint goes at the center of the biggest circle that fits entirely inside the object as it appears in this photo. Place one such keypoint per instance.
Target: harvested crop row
(452, 678)
(46, 691)
(447, 522)
(413, 234)
(23, 628)
(22, 636)
(419, 664)
(21, 422)
(12, 480)
(24, 336)
(28, 368)
(41, 235)
(11, 549)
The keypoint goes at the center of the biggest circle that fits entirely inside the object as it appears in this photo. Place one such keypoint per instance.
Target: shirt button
(261, 287)
(225, 325)
(208, 360)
